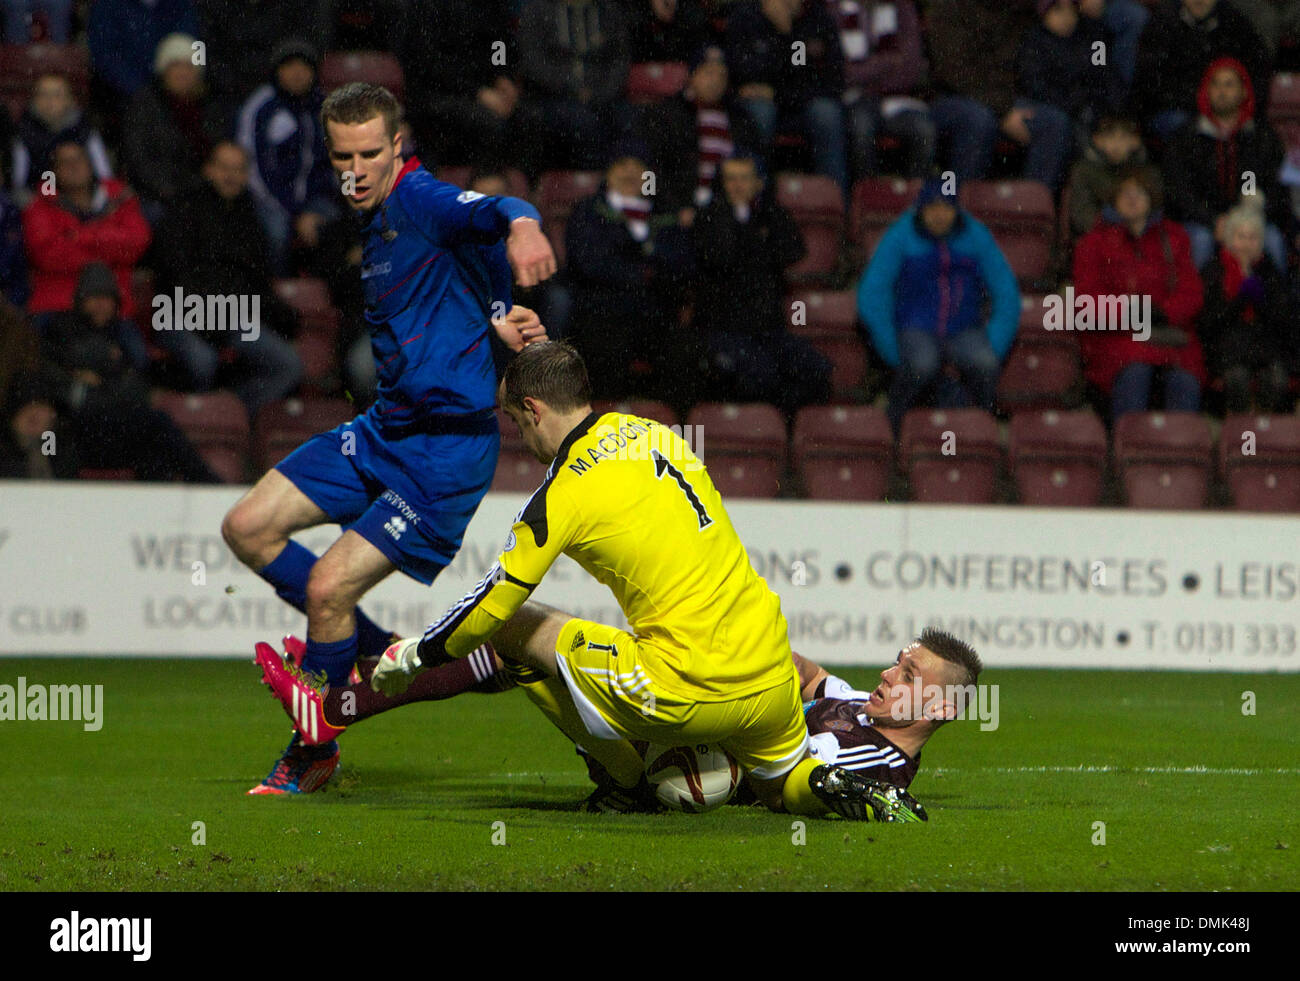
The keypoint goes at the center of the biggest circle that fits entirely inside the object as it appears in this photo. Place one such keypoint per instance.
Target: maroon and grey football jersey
(842, 734)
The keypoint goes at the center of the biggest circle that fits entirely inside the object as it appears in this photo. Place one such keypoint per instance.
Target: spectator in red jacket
(1133, 251)
(86, 220)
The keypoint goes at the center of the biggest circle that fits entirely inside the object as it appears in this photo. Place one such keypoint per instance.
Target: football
(693, 779)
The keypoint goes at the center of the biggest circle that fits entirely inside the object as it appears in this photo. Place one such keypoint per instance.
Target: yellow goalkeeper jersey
(628, 500)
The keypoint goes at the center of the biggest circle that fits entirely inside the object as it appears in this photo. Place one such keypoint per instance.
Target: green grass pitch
(1193, 794)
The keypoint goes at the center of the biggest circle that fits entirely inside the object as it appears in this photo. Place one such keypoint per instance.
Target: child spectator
(923, 298)
(1115, 149)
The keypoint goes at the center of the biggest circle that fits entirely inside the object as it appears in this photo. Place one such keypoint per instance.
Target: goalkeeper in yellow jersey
(707, 658)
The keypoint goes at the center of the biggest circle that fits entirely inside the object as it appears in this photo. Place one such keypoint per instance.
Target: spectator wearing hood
(107, 408)
(1249, 332)
(51, 117)
(211, 242)
(170, 127)
(1135, 251)
(691, 134)
(627, 264)
(1222, 156)
(744, 243)
(86, 220)
(1178, 44)
(923, 297)
(291, 179)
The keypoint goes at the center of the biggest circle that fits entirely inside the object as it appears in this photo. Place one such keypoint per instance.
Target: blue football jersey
(434, 262)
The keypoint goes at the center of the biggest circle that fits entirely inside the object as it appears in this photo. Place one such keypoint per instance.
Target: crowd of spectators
(198, 157)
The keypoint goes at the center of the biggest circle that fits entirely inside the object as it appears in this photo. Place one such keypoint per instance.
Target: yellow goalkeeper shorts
(617, 698)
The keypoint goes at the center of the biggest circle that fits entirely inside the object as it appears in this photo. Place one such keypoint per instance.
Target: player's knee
(328, 594)
(242, 527)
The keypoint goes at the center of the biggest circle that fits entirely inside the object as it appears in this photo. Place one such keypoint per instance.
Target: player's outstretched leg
(322, 712)
(300, 768)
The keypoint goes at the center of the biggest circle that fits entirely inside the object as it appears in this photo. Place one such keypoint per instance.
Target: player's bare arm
(519, 328)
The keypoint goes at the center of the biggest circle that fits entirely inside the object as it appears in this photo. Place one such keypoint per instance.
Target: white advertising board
(111, 569)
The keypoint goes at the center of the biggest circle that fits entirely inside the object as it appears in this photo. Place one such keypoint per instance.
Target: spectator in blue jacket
(923, 296)
(291, 178)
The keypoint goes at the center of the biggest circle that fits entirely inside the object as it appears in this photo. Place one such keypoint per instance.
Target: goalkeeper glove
(397, 666)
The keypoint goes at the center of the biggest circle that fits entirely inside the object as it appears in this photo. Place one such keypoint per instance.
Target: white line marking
(1229, 771)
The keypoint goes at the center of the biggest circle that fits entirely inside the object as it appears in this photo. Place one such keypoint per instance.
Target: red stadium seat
(645, 408)
(22, 64)
(826, 311)
(281, 427)
(817, 207)
(1267, 479)
(1058, 459)
(217, 424)
(518, 472)
(1022, 219)
(557, 192)
(310, 300)
(1164, 459)
(1042, 371)
(828, 320)
(376, 67)
(744, 446)
(753, 427)
(844, 453)
(654, 81)
(951, 455)
(877, 203)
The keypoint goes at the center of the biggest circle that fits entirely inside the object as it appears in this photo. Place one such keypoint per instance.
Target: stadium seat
(951, 456)
(828, 320)
(1022, 219)
(557, 192)
(22, 64)
(1164, 459)
(460, 176)
(310, 300)
(843, 453)
(876, 204)
(281, 427)
(1042, 371)
(377, 67)
(744, 446)
(817, 207)
(654, 81)
(1269, 478)
(217, 424)
(518, 472)
(645, 408)
(1058, 459)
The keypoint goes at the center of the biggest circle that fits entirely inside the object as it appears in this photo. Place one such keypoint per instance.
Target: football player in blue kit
(403, 479)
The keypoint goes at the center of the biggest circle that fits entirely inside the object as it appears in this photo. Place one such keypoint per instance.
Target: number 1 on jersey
(661, 466)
